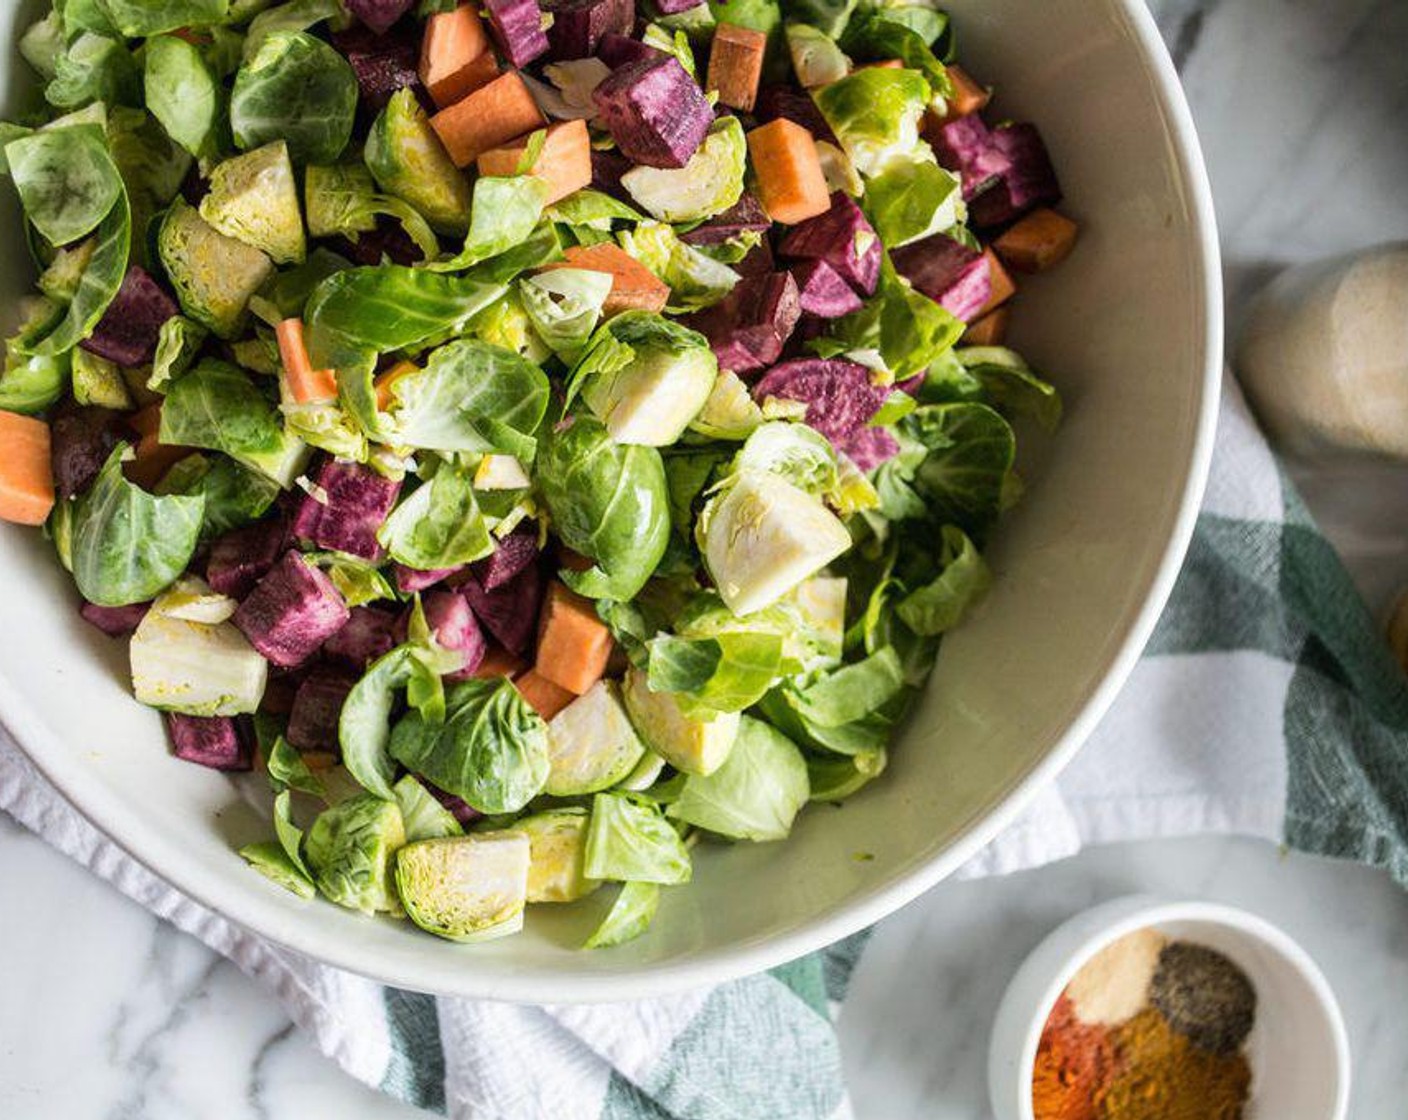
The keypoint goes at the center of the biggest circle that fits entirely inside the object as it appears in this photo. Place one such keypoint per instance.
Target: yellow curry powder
(1161, 1075)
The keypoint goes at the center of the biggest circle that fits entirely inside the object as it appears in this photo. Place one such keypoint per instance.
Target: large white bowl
(1131, 330)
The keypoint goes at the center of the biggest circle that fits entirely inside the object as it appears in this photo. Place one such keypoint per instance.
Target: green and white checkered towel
(1265, 704)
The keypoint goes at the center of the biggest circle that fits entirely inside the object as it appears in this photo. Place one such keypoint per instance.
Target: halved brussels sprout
(816, 58)
(198, 668)
(762, 536)
(653, 397)
(97, 381)
(214, 275)
(351, 848)
(557, 845)
(407, 159)
(707, 185)
(591, 743)
(694, 746)
(465, 888)
(254, 198)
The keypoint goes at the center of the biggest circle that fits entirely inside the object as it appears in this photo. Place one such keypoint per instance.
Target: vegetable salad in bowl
(540, 437)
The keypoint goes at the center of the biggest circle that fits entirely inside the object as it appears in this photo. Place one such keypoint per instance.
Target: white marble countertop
(1302, 106)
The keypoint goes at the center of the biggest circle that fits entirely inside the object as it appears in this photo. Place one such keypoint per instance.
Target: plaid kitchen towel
(1265, 704)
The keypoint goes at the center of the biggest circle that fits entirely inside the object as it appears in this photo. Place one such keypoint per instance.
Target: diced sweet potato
(1003, 288)
(491, 116)
(151, 458)
(736, 65)
(517, 27)
(633, 286)
(749, 328)
(1041, 240)
(80, 441)
(842, 237)
(950, 273)
(791, 184)
(455, 56)
(26, 478)
(574, 645)
(655, 111)
(990, 330)
(544, 697)
(291, 612)
(968, 97)
(498, 662)
(578, 26)
(346, 510)
(215, 741)
(564, 164)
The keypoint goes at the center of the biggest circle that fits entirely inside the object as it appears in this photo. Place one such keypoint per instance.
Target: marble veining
(107, 1014)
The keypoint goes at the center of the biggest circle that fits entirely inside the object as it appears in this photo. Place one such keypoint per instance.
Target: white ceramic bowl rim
(1155, 912)
(125, 825)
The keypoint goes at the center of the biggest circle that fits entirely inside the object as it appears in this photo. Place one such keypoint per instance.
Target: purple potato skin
(655, 111)
(840, 396)
(842, 237)
(218, 742)
(128, 330)
(291, 612)
(951, 274)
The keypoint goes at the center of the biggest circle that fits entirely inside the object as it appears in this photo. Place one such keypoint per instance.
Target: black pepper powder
(1204, 996)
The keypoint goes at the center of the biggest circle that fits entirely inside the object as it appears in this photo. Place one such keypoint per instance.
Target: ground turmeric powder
(1162, 1075)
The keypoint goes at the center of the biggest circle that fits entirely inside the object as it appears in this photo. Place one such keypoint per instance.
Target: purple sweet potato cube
(291, 611)
(1027, 181)
(965, 145)
(317, 706)
(115, 622)
(410, 580)
(842, 237)
(822, 290)
(452, 622)
(240, 558)
(510, 556)
(579, 25)
(382, 63)
(347, 508)
(517, 28)
(749, 328)
(379, 15)
(951, 274)
(795, 106)
(840, 395)
(869, 447)
(127, 332)
(80, 441)
(215, 741)
(618, 50)
(655, 111)
(744, 216)
(510, 611)
(366, 635)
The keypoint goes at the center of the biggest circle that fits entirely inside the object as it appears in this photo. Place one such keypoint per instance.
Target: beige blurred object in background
(1324, 357)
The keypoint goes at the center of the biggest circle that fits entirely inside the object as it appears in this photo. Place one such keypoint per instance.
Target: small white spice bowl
(1298, 1049)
